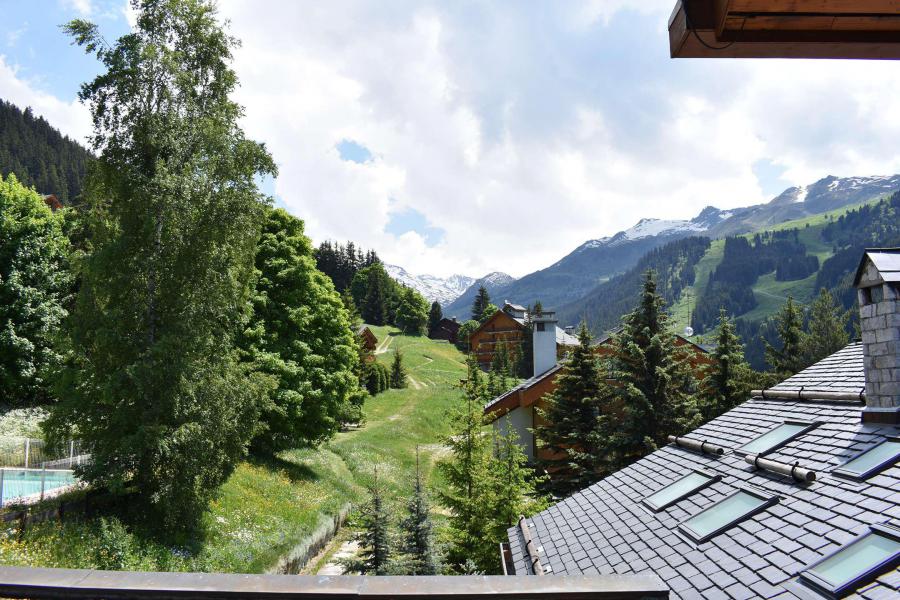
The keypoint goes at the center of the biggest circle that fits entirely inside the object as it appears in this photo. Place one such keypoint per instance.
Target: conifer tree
(728, 380)
(482, 300)
(418, 530)
(155, 386)
(651, 398)
(374, 537)
(374, 310)
(500, 368)
(515, 484)
(434, 317)
(399, 379)
(469, 483)
(788, 359)
(350, 307)
(826, 331)
(570, 419)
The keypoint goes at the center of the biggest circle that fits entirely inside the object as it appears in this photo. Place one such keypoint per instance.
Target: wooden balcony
(17, 582)
(785, 29)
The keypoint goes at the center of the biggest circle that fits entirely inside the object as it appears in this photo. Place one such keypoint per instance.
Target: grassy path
(267, 508)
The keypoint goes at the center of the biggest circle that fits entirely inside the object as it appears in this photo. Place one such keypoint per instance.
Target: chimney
(878, 288)
(544, 342)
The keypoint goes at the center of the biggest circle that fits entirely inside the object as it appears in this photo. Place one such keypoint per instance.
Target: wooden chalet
(508, 326)
(516, 408)
(52, 201)
(785, 29)
(446, 329)
(370, 342)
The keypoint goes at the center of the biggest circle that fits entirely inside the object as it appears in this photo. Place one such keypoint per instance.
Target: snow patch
(440, 289)
(802, 192)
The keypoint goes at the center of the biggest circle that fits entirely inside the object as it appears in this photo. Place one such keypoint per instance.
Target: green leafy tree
(374, 536)
(788, 359)
(412, 312)
(465, 332)
(34, 284)
(350, 307)
(418, 531)
(651, 397)
(481, 302)
(399, 378)
(570, 421)
(728, 380)
(300, 334)
(826, 331)
(470, 484)
(434, 317)
(488, 312)
(155, 385)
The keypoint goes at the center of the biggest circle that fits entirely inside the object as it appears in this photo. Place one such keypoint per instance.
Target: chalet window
(776, 438)
(724, 515)
(875, 552)
(871, 461)
(679, 490)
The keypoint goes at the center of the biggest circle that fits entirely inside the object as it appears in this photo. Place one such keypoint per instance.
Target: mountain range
(441, 289)
(598, 260)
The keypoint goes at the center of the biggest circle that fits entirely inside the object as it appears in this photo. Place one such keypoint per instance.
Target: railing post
(27, 450)
(43, 478)
(71, 452)
(2, 472)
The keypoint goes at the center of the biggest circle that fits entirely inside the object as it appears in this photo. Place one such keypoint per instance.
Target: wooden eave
(785, 29)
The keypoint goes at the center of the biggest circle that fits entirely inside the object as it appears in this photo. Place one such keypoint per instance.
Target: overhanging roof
(785, 29)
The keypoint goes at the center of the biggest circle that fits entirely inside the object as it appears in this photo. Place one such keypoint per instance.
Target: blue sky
(480, 136)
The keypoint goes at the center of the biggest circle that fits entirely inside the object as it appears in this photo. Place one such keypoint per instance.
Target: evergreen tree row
(39, 155)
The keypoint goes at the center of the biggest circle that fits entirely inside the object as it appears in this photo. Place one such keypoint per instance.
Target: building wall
(520, 420)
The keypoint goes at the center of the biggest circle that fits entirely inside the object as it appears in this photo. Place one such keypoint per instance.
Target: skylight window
(776, 438)
(857, 563)
(723, 515)
(873, 460)
(679, 489)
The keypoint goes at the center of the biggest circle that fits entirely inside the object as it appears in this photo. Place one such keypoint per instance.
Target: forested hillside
(39, 154)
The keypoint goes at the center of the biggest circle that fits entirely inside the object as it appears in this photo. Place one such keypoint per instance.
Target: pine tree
(651, 397)
(399, 379)
(500, 369)
(515, 484)
(469, 483)
(570, 420)
(155, 385)
(537, 309)
(788, 359)
(418, 530)
(728, 380)
(434, 317)
(350, 307)
(374, 536)
(482, 300)
(374, 310)
(826, 330)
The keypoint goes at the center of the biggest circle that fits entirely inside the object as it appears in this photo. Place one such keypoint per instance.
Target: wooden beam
(816, 6)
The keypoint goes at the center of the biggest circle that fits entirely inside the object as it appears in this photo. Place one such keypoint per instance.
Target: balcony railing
(18, 582)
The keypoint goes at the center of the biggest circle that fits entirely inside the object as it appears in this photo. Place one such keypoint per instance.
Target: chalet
(517, 407)
(794, 494)
(370, 342)
(52, 201)
(509, 326)
(446, 329)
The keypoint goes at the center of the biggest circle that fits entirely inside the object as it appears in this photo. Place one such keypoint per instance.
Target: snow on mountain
(441, 289)
(646, 228)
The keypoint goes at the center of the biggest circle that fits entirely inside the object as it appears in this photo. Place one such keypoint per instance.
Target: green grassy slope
(267, 508)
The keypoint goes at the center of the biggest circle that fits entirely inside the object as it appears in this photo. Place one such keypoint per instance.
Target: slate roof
(605, 529)
(886, 260)
(523, 386)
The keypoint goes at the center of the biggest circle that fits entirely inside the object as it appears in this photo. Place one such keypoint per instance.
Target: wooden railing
(18, 582)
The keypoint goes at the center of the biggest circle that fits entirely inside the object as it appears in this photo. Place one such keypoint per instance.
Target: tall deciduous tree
(651, 397)
(434, 317)
(788, 359)
(155, 385)
(412, 312)
(300, 334)
(481, 302)
(570, 420)
(729, 379)
(826, 331)
(34, 284)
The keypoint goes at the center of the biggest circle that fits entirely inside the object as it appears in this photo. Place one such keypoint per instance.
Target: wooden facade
(447, 329)
(501, 328)
(785, 29)
(370, 342)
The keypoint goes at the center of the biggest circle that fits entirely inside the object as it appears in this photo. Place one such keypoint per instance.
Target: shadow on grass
(295, 472)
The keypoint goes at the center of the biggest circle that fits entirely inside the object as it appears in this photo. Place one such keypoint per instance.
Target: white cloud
(72, 118)
(84, 8)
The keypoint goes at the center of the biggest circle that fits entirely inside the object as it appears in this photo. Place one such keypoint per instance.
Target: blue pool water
(25, 482)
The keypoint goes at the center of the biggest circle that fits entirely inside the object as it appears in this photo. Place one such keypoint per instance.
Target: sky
(469, 137)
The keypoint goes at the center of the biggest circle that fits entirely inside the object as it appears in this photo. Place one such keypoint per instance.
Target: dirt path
(415, 383)
(383, 346)
(348, 549)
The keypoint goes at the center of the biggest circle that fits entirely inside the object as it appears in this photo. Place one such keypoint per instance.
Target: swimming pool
(17, 483)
